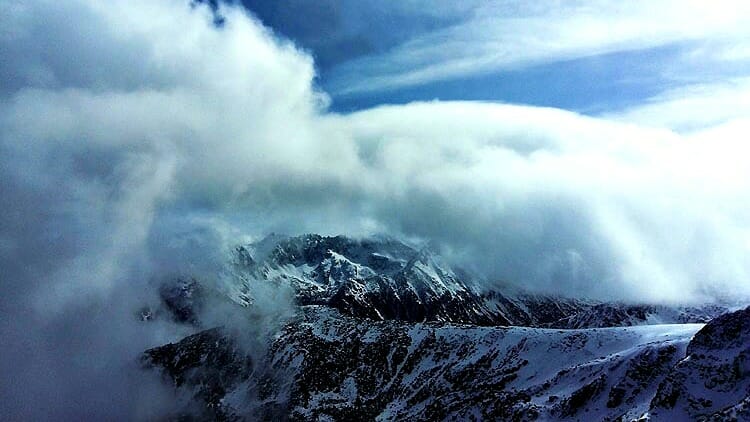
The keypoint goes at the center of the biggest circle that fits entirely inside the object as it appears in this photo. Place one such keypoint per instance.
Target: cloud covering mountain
(127, 126)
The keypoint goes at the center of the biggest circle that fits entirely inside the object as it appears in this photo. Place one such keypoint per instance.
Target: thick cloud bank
(125, 122)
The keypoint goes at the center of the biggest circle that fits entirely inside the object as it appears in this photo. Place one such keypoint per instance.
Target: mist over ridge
(138, 139)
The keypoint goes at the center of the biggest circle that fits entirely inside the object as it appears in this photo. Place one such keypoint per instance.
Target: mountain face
(385, 279)
(386, 331)
(345, 368)
(380, 279)
(618, 315)
(712, 382)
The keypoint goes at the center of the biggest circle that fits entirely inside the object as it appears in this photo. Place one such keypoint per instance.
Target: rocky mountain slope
(712, 382)
(387, 331)
(381, 278)
(345, 368)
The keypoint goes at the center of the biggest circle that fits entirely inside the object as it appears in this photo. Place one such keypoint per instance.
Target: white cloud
(523, 186)
(230, 121)
(504, 35)
(112, 116)
(692, 108)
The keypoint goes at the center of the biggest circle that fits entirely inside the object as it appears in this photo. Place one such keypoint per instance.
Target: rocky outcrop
(384, 279)
(207, 365)
(599, 315)
(713, 381)
(387, 331)
(343, 368)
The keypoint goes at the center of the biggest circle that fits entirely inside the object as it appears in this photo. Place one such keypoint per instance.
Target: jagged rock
(183, 299)
(713, 381)
(388, 331)
(344, 368)
(618, 315)
(209, 362)
(382, 278)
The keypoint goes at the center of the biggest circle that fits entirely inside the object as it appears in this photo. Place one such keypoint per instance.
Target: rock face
(713, 381)
(620, 315)
(346, 368)
(183, 299)
(209, 364)
(379, 278)
(386, 331)
(382, 278)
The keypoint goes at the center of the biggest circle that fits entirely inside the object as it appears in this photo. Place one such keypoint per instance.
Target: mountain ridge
(384, 330)
(383, 278)
(343, 367)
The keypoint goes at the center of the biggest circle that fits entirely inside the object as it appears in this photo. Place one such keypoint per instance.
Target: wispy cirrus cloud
(692, 107)
(505, 35)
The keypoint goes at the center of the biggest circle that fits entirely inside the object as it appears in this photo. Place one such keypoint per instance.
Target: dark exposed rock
(619, 315)
(383, 279)
(343, 368)
(183, 298)
(389, 331)
(644, 372)
(713, 381)
(582, 396)
(210, 362)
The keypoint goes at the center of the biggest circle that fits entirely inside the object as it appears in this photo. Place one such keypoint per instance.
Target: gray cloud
(137, 139)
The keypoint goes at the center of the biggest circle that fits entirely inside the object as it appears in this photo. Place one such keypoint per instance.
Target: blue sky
(591, 57)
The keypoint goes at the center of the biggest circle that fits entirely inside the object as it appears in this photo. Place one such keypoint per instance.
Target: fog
(127, 127)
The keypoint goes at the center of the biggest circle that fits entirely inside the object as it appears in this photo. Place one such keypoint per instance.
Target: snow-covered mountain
(382, 278)
(619, 315)
(712, 382)
(337, 367)
(388, 331)
(377, 278)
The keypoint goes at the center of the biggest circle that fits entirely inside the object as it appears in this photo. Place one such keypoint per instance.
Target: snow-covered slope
(388, 331)
(344, 368)
(713, 381)
(378, 278)
(382, 278)
(619, 315)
